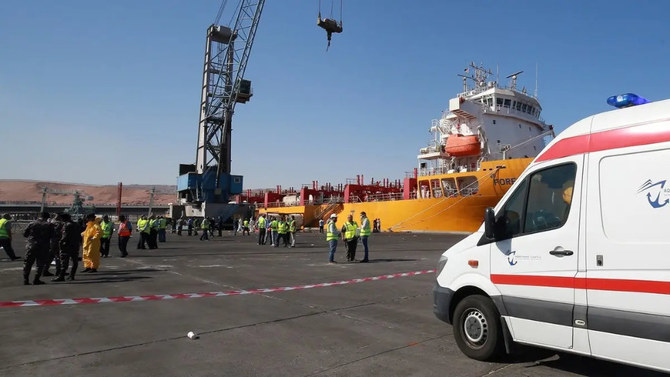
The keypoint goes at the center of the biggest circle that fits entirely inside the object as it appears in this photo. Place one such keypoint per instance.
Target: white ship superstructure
(485, 122)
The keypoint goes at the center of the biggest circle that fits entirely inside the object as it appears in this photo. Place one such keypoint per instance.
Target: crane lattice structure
(223, 85)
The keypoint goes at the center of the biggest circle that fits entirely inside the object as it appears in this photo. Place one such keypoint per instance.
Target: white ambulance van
(576, 255)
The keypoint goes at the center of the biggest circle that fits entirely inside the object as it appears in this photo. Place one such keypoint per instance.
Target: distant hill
(25, 191)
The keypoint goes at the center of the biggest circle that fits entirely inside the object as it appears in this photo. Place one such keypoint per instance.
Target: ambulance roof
(637, 125)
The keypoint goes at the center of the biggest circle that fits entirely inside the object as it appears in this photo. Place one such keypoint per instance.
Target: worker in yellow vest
(332, 234)
(365, 232)
(292, 228)
(152, 240)
(143, 229)
(107, 230)
(273, 231)
(245, 227)
(282, 229)
(205, 229)
(6, 236)
(350, 228)
(261, 229)
(162, 225)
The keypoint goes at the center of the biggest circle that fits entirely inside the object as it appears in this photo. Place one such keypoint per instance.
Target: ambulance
(576, 255)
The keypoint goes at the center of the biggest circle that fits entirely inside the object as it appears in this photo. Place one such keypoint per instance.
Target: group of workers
(277, 229)
(352, 232)
(152, 231)
(58, 238)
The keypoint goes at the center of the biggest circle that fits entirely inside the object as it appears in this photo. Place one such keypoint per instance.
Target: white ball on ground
(192, 335)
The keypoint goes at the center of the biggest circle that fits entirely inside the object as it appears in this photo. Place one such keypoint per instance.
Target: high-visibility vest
(331, 233)
(273, 225)
(261, 222)
(282, 227)
(153, 224)
(350, 230)
(291, 226)
(365, 227)
(124, 230)
(162, 223)
(143, 226)
(205, 224)
(3, 228)
(106, 229)
(246, 223)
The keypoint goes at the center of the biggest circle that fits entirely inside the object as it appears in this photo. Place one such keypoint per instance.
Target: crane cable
(331, 10)
(220, 12)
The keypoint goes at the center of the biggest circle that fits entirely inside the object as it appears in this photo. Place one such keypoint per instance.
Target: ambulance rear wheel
(477, 328)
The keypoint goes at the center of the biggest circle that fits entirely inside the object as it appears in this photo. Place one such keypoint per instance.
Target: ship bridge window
(436, 188)
(507, 103)
(489, 101)
(499, 101)
(467, 185)
(449, 187)
(518, 106)
(524, 108)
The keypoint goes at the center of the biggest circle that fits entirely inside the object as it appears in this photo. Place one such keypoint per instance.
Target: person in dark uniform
(39, 234)
(54, 245)
(69, 247)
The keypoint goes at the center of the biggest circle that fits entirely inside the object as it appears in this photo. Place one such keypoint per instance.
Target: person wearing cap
(332, 234)
(364, 232)
(69, 248)
(38, 234)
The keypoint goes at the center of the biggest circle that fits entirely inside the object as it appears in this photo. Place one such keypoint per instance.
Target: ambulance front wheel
(477, 328)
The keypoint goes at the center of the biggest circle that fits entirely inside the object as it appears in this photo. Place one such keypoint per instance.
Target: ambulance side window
(549, 198)
(541, 202)
(510, 220)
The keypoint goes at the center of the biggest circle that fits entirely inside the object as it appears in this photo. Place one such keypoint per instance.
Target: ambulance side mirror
(489, 223)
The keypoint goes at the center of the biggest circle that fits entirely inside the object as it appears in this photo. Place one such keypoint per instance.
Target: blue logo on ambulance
(657, 194)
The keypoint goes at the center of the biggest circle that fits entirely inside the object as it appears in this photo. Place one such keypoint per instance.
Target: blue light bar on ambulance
(626, 100)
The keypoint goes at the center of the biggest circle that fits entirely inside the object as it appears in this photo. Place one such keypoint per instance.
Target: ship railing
(434, 171)
(384, 197)
(281, 204)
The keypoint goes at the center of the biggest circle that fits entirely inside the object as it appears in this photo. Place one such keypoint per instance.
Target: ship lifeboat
(463, 145)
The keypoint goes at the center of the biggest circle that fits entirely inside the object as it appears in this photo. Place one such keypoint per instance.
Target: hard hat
(333, 216)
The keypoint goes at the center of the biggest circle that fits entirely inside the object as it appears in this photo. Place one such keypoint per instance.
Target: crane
(205, 188)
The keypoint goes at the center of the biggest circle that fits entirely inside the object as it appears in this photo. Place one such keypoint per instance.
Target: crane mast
(227, 52)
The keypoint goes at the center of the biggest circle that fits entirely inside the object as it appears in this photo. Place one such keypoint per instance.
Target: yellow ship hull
(446, 213)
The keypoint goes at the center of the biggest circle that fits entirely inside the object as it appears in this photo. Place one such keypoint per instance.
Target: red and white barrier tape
(100, 300)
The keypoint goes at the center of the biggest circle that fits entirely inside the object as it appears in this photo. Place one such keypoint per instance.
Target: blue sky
(101, 92)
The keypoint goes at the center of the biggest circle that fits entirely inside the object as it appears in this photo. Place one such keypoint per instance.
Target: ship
(478, 148)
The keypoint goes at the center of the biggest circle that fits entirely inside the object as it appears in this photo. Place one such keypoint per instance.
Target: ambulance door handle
(560, 252)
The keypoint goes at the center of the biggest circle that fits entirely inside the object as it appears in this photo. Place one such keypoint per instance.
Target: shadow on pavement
(90, 279)
(576, 364)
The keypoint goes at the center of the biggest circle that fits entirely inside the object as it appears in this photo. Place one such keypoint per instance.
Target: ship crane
(227, 50)
(204, 188)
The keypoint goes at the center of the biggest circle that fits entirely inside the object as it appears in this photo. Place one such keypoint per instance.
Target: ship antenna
(536, 79)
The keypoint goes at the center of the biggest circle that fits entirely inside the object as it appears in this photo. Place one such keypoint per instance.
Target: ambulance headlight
(626, 100)
(440, 265)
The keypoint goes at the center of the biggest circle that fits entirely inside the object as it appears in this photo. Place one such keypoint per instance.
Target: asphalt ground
(382, 327)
